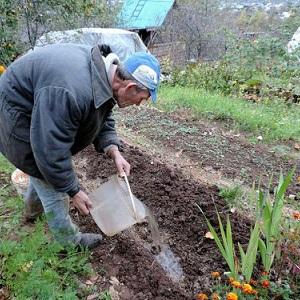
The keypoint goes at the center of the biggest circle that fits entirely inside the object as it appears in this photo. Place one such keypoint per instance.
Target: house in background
(146, 17)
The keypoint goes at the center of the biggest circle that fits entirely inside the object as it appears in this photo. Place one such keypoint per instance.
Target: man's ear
(131, 86)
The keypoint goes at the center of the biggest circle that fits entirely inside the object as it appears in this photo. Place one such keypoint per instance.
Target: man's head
(136, 79)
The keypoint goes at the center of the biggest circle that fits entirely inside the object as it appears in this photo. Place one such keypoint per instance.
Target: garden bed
(172, 198)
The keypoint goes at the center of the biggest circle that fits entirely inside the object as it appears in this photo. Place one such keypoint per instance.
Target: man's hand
(82, 202)
(121, 163)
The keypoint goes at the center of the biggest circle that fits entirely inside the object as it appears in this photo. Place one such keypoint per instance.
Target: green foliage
(273, 120)
(23, 22)
(5, 166)
(248, 259)
(34, 267)
(105, 296)
(225, 245)
(268, 224)
(254, 64)
(231, 194)
(269, 215)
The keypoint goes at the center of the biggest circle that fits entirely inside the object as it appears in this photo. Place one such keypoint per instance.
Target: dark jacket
(54, 102)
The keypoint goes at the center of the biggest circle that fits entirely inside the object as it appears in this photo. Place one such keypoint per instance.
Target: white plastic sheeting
(121, 42)
(294, 43)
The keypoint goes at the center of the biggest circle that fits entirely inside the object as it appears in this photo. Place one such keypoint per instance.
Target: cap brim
(153, 95)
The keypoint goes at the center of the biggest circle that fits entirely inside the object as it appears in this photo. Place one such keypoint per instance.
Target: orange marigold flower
(215, 296)
(236, 284)
(296, 215)
(265, 284)
(202, 296)
(232, 296)
(2, 69)
(247, 288)
(215, 274)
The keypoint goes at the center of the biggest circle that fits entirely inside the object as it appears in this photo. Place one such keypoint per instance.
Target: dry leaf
(177, 154)
(92, 297)
(209, 235)
(260, 138)
(88, 282)
(297, 146)
(298, 179)
(94, 278)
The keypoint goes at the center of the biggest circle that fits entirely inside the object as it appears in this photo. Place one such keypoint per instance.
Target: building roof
(143, 14)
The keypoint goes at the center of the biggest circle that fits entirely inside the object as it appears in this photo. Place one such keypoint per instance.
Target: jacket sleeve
(54, 124)
(107, 136)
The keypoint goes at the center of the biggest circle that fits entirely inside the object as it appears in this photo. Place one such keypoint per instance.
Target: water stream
(163, 253)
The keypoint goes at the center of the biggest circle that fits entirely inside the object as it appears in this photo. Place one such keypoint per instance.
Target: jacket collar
(102, 91)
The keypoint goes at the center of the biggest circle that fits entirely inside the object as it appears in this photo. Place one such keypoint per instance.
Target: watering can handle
(131, 196)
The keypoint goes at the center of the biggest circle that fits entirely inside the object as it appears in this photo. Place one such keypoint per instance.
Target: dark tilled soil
(172, 200)
(211, 145)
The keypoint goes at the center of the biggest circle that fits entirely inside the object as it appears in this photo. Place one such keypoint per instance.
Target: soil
(180, 161)
(172, 198)
(214, 147)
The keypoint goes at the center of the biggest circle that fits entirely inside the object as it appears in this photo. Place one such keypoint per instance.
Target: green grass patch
(32, 264)
(275, 121)
(5, 166)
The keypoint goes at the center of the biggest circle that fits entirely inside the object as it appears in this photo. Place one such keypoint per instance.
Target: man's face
(130, 95)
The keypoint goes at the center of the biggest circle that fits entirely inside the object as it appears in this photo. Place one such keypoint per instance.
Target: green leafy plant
(35, 266)
(269, 215)
(225, 244)
(248, 259)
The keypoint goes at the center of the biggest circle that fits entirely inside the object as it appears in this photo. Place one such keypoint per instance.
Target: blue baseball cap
(144, 68)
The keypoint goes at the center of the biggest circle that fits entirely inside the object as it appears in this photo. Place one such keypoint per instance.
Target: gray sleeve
(55, 120)
(107, 136)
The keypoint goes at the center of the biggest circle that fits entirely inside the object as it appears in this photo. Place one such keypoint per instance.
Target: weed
(105, 296)
(231, 195)
(33, 266)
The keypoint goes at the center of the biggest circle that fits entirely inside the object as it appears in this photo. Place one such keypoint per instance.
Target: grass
(32, 264)
(274, 121)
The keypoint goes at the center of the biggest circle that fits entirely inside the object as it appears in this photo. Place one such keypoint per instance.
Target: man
(54, 102)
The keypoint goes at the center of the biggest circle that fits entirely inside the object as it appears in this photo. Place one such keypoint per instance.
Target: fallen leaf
(298, 179)
(94, 278)
(297, 146)
(209, 235)
(260, 138)
(177, 154)
(89, 282)
(92, 297)
(292, 197)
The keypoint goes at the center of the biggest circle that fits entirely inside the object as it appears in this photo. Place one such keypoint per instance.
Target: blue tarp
(143, 14)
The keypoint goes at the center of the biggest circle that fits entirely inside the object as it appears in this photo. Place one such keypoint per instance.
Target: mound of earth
(125, 261)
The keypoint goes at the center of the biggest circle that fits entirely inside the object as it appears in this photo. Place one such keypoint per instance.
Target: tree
(24, 21)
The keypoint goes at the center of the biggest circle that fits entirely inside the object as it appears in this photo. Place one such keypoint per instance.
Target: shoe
(90, 240)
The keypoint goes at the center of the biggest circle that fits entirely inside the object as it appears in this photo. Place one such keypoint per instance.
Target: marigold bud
(265, 284)
(215, 296)
(215, 274)
(296, 215)
(253, 282)
(202, 296)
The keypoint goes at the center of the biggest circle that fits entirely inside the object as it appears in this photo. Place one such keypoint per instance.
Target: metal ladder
(138, 8)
